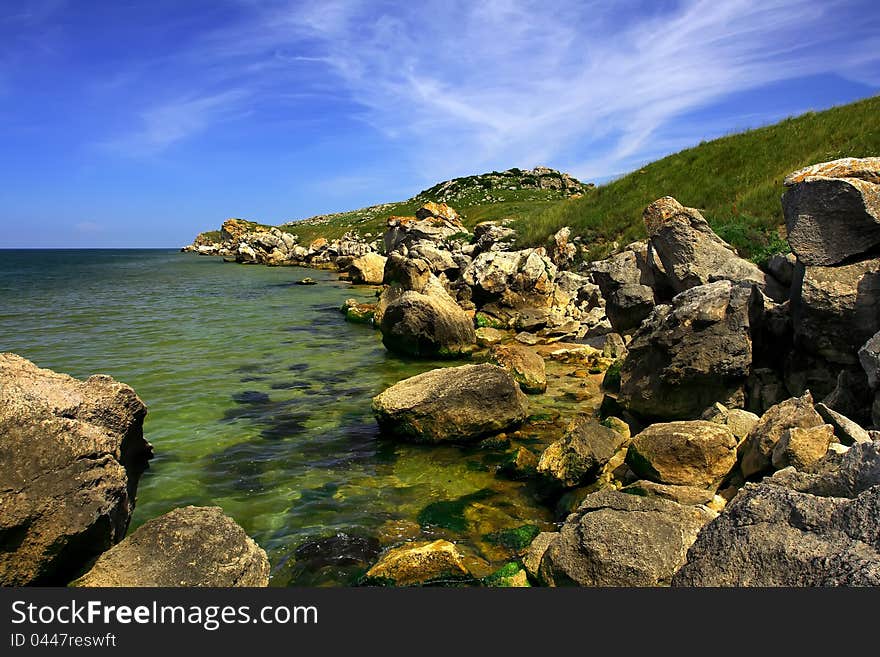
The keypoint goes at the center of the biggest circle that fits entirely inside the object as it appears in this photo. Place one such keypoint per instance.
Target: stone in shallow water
(420, 563)
(452, 404)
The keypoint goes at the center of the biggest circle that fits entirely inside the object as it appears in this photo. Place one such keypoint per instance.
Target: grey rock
(796, 529)
(869, 357)
(832, 210)
(628, 306)
(189, 546)
(427, 324)
(690, 355)
(834, 309)
(847, 431)
(692, 254)
(535, 553)
(616, 539)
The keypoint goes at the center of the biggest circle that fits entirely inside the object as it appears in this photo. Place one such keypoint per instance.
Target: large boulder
(581, 453)
(692, 254)
(492, 272)
(189, 546)
(71, 454)
(416, 564)
(689, 355)
(452, 404)
(796, 529)
(832, 210)
(368, 269)
(526, 366)
(427, 324)
(688, 453)
(834, 309)
(757, 451)
(617, 539)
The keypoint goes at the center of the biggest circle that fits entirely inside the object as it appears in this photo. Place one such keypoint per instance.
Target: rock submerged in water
(452, 404)
(526, 366)
(581, 453)
(426, 323)
(417, 564)
(189, 546)
(368, 269)
(71, 454)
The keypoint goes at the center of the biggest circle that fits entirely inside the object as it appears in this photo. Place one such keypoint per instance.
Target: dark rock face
(832, 210)
(616, 539)
(688, 356)
(71, 454)
(796, 529)
(834, 309)
(451, 404)
(628, 306)
(190, 546)
(869, 357)
(581, 453)
(692, 254)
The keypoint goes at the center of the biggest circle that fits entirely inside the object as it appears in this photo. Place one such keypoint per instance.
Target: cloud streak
(475, 85)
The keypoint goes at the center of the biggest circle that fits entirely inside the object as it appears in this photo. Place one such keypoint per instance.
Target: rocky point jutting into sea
(680, 415)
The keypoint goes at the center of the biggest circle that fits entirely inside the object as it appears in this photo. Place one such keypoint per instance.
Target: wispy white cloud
(468, 85)
(162, 125)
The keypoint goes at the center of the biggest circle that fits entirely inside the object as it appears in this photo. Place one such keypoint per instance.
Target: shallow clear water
(259, 402)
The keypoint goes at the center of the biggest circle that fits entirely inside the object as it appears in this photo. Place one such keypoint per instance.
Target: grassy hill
(736, 181)
(513, 195)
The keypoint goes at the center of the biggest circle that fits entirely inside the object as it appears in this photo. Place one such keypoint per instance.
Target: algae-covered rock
(526, 366)
(417, 564)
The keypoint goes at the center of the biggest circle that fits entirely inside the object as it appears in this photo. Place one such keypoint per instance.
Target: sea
(258, 395)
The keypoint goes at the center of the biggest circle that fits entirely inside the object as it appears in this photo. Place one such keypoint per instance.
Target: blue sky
(140, 123)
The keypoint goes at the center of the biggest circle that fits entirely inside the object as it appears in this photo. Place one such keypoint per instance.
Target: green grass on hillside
(735, 181)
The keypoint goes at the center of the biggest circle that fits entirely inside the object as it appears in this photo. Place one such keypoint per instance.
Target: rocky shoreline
(736, 442)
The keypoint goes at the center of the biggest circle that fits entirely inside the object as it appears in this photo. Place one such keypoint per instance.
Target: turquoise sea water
(259, 402)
